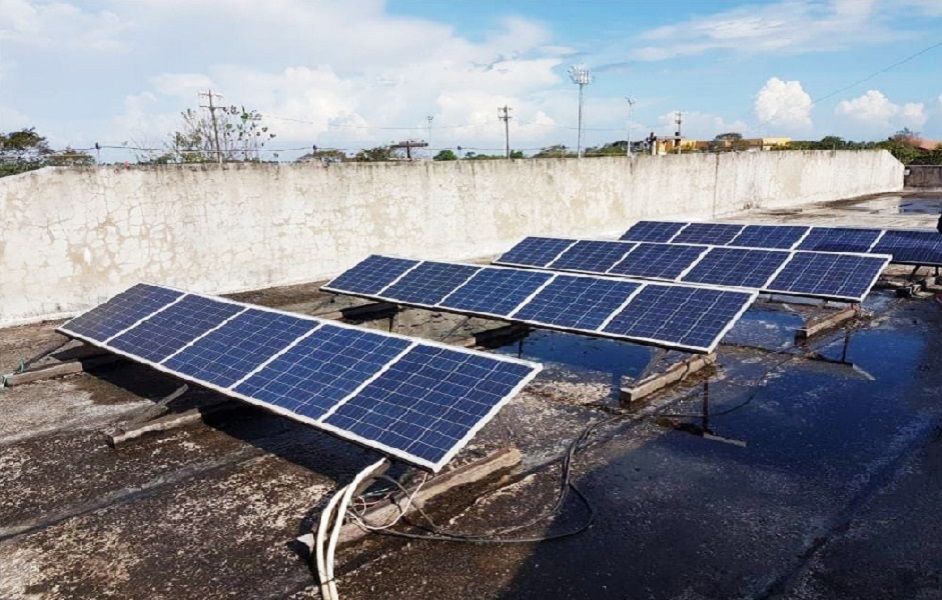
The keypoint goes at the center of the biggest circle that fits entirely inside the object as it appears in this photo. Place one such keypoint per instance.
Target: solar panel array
(413, 399)
(673, 316)
(846, 277)
(910, 247)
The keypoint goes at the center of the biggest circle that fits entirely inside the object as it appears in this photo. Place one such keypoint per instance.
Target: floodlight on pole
(580, 76)
(631, 102)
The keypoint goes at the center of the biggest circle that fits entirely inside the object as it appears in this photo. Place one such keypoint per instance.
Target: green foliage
(377, 154)
(557, 151)
(446, 155)
(731, 136)
(240, 134)
(619, 148)
(324, 155)
(25, 150)
(905, 153)
(71, 158)
(517, 154)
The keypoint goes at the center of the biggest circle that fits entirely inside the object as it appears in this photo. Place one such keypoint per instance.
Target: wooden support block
(676, 372)
(121, 436)
(829, 322)
(60, 369)
(498, 463)
(376, 310)
(509, 332)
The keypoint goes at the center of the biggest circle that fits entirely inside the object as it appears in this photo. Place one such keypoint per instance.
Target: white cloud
(783, 104)
(874, 110)
(59, 26)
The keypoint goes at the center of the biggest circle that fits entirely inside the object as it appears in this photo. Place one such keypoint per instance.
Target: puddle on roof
(899, 205)
(768, 328)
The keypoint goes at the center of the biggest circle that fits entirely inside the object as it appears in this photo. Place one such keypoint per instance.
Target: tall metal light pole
(631, 102)
(579, 76)
(430, 151)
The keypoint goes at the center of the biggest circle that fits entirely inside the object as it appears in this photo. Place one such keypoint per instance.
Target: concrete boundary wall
(72, 237)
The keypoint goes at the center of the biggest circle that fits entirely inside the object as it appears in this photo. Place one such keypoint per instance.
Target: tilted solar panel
(716, 234)
(375, 273)
(429, 283)
(592, 256)
(413, 399)
(839, 239)
(576, 302)
(782, 237)
(495, 292)
(653, 231)
(535, 252)
(840, 276)
(658, 261)
(911, 247)
(737, 267)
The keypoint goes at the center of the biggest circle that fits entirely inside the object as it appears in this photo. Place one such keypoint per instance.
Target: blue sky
(361, 73)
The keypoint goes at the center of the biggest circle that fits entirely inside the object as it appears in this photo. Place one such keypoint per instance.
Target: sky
(361, 73)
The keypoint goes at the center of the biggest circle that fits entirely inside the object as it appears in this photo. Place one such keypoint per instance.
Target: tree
(238, 132)
(731, 136)
(377, 154)
(517, 154)
(324, 155)
(446, 155)
(70, 158)
(21, 151)
(557, 151)
(832, 142)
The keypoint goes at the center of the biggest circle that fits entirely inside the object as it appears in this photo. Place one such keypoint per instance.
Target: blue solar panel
(170, 330)
(839, 239)
(829, 275)
(495, 291)
(652, 231)
(322, 369)
(576, 302)
(371, 275)
(534, 252)
(664, 261)
(591, 256)
(694, 318)
(737, 267)
(769, 236)
(429, 283)
(913, 247)
(428, 401)
(121, 311)
(226, 355)
(717, 234)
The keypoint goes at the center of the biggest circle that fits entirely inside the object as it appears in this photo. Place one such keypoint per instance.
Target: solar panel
(911, 247)
(416, 400)
(429, 283)
(495, 291)
(839, 239)
(535, 252)
(658, 261)
(370, 276)
(687, 317)
(652, 231)
(122, 311)
(716, 234)
(591, 256)
(737, 267)
(769, 236)
(576, 302)
(842, 276)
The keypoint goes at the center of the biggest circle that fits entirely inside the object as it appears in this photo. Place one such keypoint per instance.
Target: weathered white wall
(72, 237)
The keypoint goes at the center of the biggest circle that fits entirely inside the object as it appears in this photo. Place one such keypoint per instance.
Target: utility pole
(212, 113)
(631, 103)
(579, 76)
(679, 119)
(430, 151)
(504, 113)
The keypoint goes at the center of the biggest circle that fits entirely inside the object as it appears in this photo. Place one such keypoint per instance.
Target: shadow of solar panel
(429, 401)
(429, 283)
(591, 256)
(717, 234)
(652, 231)
(170, 330)
(576, 302)
(121, 311)
(371, 275)
(769, 236)
(737, 267)
(663, 261)
(226, 355)
(829, 275)
(495, 292)
(839, 239)
(534, 252)
(913, 247)
(688, 317)
(322, 369)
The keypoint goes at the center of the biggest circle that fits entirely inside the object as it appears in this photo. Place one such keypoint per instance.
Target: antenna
(580, 76)
(631, 102)
(504, 112)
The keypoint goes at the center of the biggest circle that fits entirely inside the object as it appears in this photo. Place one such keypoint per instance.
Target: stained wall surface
(71, 237)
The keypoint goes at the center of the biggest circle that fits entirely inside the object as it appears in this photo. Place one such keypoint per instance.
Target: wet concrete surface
(790, 470)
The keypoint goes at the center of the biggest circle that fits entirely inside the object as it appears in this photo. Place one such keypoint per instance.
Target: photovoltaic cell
(692, 317)
(371, 275)
(829, 275)
(839, 239)
(652, 231)
(228, 354)
(576, 302)
(664, 261)
(430, 282)
(717, 234)
(322, 369)
(170, 330)
(430, 400)
(495, 291)
(591, 256)
(534, 252)
(913, 247)
(737, 267)
(121, 311)
(769, 236)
